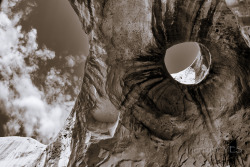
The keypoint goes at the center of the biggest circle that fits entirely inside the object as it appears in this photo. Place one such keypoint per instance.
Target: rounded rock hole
(188, 62)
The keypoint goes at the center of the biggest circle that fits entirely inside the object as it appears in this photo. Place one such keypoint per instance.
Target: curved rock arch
(154, 120)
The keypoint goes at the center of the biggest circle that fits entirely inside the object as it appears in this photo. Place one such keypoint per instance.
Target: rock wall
(131, 112)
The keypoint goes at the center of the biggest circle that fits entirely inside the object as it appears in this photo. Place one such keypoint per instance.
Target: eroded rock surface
(150, 119)
(21, 151)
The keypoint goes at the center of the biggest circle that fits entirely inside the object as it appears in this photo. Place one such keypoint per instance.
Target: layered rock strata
(131, 112)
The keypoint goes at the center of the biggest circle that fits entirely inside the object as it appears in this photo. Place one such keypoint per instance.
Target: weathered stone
(156, 121)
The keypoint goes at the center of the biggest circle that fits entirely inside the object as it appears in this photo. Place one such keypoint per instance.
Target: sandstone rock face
(21, 151)
(131, 112)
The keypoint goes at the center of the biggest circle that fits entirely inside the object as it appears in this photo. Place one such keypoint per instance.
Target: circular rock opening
(188, 63)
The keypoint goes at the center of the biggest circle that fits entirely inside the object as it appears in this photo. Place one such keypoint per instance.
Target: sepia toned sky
(181, 56)
(58, 27)
(42, 57)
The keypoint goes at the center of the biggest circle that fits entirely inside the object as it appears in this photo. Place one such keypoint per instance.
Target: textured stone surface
(21, 151)
(150, 119)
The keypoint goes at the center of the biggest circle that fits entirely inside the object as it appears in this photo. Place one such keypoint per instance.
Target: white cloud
(33, 111)
(4, 92)
(70, 61)
(7, 6)
(45, 54)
